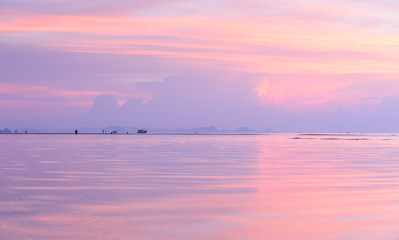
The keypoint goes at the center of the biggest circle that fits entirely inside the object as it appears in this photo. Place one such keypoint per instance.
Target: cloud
(229, 100)
(43, 82)
(187, 100)
(276, 37)
(99, 7)
(190, 63)
(79, 71)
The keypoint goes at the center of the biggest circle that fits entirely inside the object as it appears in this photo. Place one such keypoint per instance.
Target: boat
(141, 131)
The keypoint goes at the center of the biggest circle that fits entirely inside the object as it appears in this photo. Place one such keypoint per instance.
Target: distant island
(6, 130)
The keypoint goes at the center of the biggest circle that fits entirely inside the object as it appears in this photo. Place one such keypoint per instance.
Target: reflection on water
(199, 187)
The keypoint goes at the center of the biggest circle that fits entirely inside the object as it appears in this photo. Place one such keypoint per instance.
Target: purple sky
(293, 66)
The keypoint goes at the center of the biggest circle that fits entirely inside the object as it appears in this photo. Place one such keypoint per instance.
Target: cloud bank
(234, 101)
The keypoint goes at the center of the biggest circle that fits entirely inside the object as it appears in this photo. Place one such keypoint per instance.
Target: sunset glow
(200, 120)
(307, 56)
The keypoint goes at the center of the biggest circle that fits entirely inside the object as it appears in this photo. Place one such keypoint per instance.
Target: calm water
(199, 187)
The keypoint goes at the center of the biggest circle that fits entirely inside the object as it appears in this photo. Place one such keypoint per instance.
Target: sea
(200, 186)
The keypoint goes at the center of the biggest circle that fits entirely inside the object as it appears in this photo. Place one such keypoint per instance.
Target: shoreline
(137, 133)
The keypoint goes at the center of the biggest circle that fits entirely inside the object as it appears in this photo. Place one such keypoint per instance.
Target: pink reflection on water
(203, 187)
(319, 190)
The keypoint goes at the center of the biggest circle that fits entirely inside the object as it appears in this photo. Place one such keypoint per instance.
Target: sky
(290, 66)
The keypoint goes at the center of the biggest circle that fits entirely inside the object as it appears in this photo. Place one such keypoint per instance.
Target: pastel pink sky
(298, 57)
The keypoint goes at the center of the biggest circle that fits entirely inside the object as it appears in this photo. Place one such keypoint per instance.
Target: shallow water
(277, 186)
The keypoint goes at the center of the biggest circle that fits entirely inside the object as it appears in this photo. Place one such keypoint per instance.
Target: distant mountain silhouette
(5, 130)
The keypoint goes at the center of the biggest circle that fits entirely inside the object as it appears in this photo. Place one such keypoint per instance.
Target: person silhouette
(76, 131)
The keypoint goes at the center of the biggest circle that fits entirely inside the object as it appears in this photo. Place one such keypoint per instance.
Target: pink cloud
(42, 97)
(304, 92)
(262, 45)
